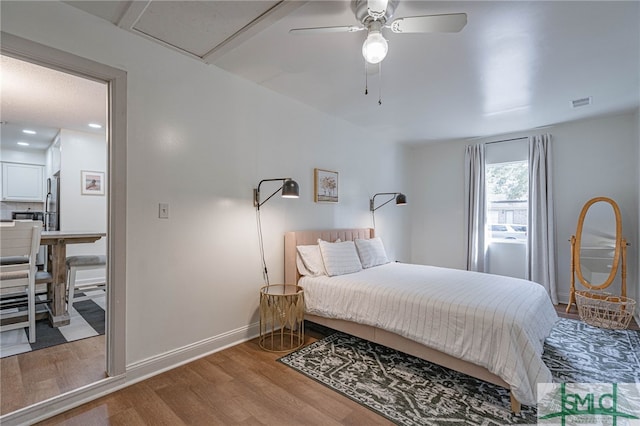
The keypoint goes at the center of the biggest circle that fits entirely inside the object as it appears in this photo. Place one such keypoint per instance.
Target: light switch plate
(163, 210)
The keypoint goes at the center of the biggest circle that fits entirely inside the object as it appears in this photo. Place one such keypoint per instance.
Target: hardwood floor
(240, 385)
(35, 376)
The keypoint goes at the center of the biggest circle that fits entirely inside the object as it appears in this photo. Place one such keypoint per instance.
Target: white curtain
(541, 252)
(475, 207)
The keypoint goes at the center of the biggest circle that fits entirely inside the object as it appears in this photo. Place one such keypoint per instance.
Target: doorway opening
(41, 105)
(111, 168)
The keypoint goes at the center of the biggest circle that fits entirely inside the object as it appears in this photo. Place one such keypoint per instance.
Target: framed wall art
(325, 186)
(92, 183)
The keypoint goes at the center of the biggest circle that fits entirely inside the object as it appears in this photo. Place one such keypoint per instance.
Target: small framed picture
(92, 183)
(325, 186)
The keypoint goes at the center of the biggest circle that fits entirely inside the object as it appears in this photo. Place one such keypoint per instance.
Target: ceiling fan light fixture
(377, 8)
(375, 47)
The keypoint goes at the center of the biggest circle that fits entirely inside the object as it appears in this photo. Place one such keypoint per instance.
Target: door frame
(116, 80)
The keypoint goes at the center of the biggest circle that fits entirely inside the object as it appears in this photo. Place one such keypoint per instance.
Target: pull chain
(379, 83)
(366, 79)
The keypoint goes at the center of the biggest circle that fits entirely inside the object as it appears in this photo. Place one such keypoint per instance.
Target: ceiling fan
(376, 15)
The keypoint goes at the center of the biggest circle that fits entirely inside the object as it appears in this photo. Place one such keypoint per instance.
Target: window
(507, 192)
(507, 204)
(507, 200)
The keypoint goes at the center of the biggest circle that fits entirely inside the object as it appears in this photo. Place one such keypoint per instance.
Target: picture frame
(325, 186)
(92, 183)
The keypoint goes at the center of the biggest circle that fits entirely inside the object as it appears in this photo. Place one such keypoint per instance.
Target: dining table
(57, 242)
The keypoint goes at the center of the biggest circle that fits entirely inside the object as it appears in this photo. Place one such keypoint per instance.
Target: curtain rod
(506, 140)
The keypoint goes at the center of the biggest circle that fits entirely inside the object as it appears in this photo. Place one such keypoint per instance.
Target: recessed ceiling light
(23, 143)
(95, 125)
(29, 132)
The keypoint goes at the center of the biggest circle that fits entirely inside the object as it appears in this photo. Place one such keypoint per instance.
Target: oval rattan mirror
(598, 241)
(598, 247)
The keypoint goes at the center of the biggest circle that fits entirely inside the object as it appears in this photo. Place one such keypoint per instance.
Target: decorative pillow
(340, 258)
(371, 252)
(310, 261)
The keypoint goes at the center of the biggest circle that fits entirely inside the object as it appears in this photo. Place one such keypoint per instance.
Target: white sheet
(494, 321)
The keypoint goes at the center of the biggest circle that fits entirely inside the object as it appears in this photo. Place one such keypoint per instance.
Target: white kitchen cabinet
(22, 182)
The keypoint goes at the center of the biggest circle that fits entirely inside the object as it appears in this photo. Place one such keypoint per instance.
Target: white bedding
(497, 322)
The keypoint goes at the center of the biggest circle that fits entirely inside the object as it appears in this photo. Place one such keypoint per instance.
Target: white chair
(19, 243)
(78, 263)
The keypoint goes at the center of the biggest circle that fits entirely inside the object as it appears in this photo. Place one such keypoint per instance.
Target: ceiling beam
(136, 9)
(133, 13)
(271, 16)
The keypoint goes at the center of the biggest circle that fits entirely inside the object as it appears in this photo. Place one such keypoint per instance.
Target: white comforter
(494, 321)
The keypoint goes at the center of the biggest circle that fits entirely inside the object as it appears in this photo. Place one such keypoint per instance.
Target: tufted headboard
(296, 238)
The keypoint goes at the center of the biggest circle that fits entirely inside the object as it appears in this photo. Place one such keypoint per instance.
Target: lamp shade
(290, 189)
(400, 198)
(375, 47)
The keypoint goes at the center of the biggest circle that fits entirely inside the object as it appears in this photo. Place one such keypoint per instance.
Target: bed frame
(373, 334)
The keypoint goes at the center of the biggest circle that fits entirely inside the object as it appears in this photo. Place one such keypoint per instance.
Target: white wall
(200, 139)
(25, 157)
(507, 258)
(81, 151)
(437, 211)
(597, 157)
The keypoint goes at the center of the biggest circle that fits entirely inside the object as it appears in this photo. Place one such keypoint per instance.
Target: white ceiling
(45, 101)
(516, 65)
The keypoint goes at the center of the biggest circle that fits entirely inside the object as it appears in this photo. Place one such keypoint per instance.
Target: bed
(450, 317)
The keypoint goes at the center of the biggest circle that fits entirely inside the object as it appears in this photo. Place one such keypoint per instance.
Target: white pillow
(371, 252)
(311, 260)
(340, 258)
(302, 270)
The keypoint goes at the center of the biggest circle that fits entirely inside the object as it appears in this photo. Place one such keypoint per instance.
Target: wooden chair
(82, 262)
(19, 243)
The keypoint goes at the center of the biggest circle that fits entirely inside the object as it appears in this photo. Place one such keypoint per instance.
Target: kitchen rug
(411, 391)
(87, 320)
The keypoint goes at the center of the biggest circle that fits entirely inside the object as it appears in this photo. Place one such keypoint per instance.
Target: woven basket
(605, 310)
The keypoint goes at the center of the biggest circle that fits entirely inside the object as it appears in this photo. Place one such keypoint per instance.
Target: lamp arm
(373, 200)
(269, 197)
(256, 200)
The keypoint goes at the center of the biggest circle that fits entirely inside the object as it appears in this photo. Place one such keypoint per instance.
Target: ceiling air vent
(577, 103)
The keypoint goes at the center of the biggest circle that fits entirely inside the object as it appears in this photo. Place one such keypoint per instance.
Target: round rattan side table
(281, 317)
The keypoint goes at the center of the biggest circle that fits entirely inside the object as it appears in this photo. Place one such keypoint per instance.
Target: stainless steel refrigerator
(52, 204)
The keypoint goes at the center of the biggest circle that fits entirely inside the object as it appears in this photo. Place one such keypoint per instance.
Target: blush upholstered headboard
(297, 238)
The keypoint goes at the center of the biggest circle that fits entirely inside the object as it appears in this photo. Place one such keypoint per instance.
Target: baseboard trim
(152, 366)
(135, 373)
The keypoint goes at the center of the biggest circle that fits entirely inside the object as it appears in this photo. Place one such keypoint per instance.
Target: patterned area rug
(411, 391)
(87, 320)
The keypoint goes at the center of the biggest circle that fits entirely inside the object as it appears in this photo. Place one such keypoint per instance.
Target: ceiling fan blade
(319, 30)
(449, 23)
